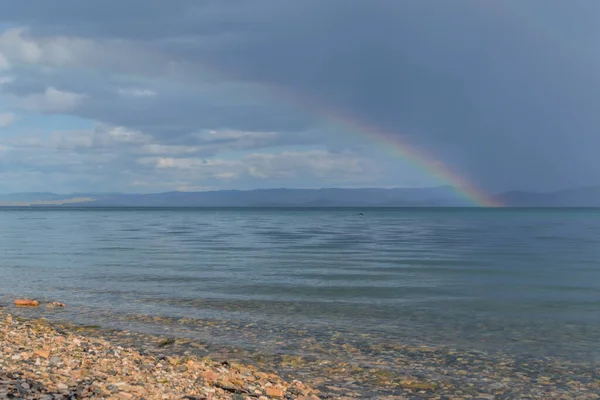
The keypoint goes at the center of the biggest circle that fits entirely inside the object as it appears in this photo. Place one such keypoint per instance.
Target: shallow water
(520, 281)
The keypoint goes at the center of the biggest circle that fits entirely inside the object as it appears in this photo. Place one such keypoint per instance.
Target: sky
(153, 95)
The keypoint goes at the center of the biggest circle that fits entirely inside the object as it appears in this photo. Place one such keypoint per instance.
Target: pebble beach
(40, 361)
(44, 360)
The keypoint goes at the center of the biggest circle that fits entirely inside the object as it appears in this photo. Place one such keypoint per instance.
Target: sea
(517, 281)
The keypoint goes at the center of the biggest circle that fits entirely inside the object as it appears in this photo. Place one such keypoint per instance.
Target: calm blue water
(526, 281)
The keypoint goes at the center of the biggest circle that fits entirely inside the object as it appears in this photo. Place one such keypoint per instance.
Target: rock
(26, 303)
(61, 386)
(418, 385)
(166, 342)
(173, 360)
(55, 360)
(140, 391)
(57, 304)
(274, 392)
(210, 376)
(59, 340)
(42, 353)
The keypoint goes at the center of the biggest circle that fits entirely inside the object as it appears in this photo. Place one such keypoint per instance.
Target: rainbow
(390, 140)
(432, 166)
(394, 143)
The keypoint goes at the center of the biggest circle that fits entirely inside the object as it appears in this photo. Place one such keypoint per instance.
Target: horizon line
(234, 190)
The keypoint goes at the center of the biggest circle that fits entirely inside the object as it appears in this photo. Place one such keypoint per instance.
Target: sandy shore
(42, 361)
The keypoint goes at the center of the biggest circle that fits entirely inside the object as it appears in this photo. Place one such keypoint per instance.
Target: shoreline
(417, 373)
(41, 360)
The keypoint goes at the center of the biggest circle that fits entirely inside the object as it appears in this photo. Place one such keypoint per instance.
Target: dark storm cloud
(507, 92)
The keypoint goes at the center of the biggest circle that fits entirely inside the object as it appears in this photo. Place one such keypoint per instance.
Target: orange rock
(236, 382)
(298, 384)
(210, 376)
(42, 353)
(274, 392)
(27, 303)
(77, 373)
(172, 360)
(138, 390)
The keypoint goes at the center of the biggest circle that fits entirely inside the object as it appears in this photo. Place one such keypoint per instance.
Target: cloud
(6, 79)
(51, 101)
(116, 158)
(502, 94)
(133, 92)
(283, 166)
(135, 143)
(19, 47)
(318, 163)
(6, 119)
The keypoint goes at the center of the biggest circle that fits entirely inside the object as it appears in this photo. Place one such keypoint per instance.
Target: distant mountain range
(578, 197)
(443, 196)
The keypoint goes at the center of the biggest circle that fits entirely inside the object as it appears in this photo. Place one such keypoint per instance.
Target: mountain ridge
(441, 196)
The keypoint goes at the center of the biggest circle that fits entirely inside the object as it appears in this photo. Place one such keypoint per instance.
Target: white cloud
(52, 101)
(102, 138)
(211, 143)
(133, 92)
(165, 149)
(15, 46)
(121, 159)
(121, 134)
(229, 139)
(274, 166)
(132, 143)
(228, 134)
(290, 164)
(186, 163)
(6, 119)
(19, 46)
(6, 79)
